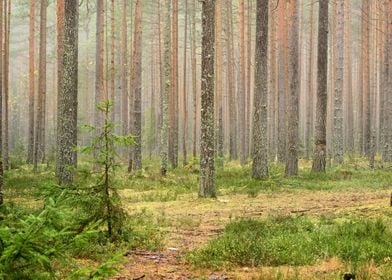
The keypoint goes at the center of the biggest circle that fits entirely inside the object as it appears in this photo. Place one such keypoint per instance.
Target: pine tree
(30, 146)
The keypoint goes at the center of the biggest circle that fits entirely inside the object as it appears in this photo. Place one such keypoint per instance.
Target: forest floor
(190, 222)
(176, 222)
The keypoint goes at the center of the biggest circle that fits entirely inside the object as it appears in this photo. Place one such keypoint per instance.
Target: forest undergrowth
(307, 220)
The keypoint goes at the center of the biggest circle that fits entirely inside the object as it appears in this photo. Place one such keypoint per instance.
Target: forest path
(191, 222)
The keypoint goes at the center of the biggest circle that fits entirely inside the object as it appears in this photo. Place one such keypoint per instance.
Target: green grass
(295, 241)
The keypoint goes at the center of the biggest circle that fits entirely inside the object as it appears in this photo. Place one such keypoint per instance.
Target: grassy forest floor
(188, 237)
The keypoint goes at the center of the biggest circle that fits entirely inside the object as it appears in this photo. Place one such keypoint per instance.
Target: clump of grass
(295, 241)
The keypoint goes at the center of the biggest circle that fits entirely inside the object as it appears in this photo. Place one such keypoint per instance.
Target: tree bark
(293, 110)
(339, 78)
(68, 96)
(207, 169)
(30, 146)
(319, 157)
(260, 117)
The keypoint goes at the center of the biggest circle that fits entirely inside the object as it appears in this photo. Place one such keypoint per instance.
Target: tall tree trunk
(7, 21)
(207, 169)
(218, 83)
(282, 89)
(173, 97)
(260, 103)
(194, 77)
(99, 60)
(230, 82)
(338, 96)
(30, 146)
(293, 110)
(41, 104)
(165, 92)
(241, 83)
(112, 57)
(320, 152)
(124, 67)
(60, 53)
(310, 91)
(67, 105)
(184, 88)
(366, 77)
(136, 83)
(349, 133)
(1, 108)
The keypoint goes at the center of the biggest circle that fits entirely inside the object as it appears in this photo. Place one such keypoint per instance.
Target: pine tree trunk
(218, 83)
(338, 94)
(30, 146)
(194, 77)
(310, 91)
(1, 108)
(41, 108)
(173, 97)
(207, 169)
(293, 110)
(112, 58)
(7, 20)
(99, 83)
(320, 152)
(136, 82)
(124, 67)
(68, 95)
(260, 103)
(184, 88)
(230, 82)
(165, 92)
(241, 83)
(349, 133)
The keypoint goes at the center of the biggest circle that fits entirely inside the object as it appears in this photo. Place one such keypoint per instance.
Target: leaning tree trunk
(207, 169)
(68, 96)
(319, 157)
(293, 111)
(260, 103)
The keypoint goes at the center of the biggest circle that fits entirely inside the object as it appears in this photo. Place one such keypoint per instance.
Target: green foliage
(295, 241)
(102, 201)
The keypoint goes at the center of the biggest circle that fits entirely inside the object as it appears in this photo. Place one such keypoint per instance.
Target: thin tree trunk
(241, 83)
(184, 88)
(194, 76)
(124, 67)
(30, 146)
(136, 83)
(338, 94)
(207, 169)
(41, 108)
(7, 20)
(230, 82)
(165, 92)
(260, 117)
(319, 157)
(173, 97)
(218, 83)
(293, 110)
(310, 91)
(1, 108)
